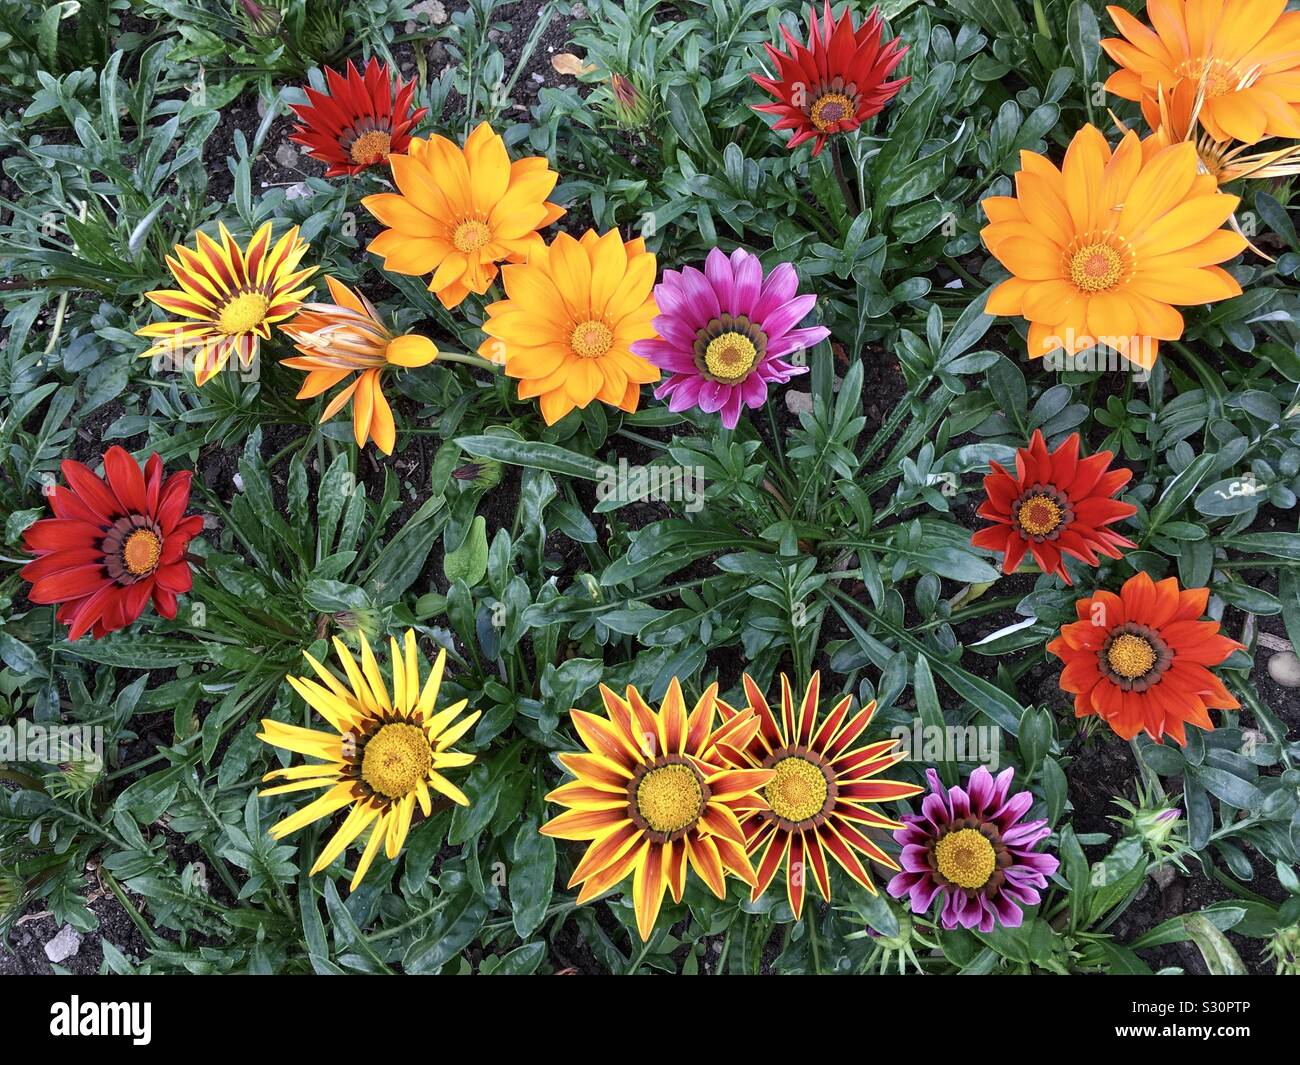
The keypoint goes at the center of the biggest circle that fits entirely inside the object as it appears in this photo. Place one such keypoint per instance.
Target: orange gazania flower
(653, 793)
(349, 337)
(460, 212)
(232, 297)
(1103, 249)
(1243, 55)
(820, 797)
(1053, 505)
(360, 121)
(1139, 660)
(569, 319)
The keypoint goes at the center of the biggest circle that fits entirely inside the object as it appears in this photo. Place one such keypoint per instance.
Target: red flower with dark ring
(1053, 505)
(835, 82)
(113, 544)
(363, 119)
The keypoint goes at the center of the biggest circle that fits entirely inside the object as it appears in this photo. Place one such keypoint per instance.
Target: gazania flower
(1101, 250)
(834, 83)
(821, 795)
(360, 121)
(1241, 55)
(569, 320)
(385, 755)
(1053, 505)
(653, 793)
(724, 333)
(349, 337)
(459, 213)
(1139, 660)
(232, 297)
(970, 846)
(113, 544)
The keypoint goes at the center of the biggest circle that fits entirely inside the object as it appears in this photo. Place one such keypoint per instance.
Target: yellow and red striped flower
(231, 297)
(653, 794)
(820, 796)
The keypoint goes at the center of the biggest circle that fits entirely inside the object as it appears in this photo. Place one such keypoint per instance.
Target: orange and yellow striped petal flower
(653, 796)
(349, 337)
(229, 297)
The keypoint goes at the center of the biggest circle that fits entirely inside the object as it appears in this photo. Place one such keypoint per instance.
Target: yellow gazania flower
(569, 319)
(1245, 54)
(1104, 248)
(345, 337)
(460, 212)
(654, 793)
(232, 295)
(383, 757)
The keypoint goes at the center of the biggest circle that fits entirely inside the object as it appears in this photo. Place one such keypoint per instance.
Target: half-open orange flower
(1103, 249)
(349, 337)
(569, 320)
(822, 789)
(654, 793)
(1055, 504)
(1243, 56)
(1139, 660)
(460, 212)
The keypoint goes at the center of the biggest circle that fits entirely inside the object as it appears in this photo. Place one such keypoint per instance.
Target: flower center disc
(730, 357)
(396, 759)
(798, 790)
(669, 798)
(1131, 656)
(141, 551)
(966, 857)
(591, 340)
(471, 235)
(244, 313)
(370, 148)
(830, 108)
(1220, 77)
(1039, 515)
(1096, 267)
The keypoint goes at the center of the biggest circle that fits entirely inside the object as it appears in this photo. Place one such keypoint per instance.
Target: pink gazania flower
(724, 333)
(971, 848)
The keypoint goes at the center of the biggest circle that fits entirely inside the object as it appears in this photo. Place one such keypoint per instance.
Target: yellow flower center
(831, 107)
(798, 790)
(141, 551)
(1219, 76)
(1131, 656)
(371, 148)
(730, 357)
(966, 857)
(591, 339)
(1039, 515)
(471, 235)
(669, 798)
(244, 313)
(397, 758)
(1096, 267)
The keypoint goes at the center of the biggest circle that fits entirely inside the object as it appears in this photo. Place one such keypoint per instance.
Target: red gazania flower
(112, 544)
(1139, 660)
(1054, 504)
(362, 120)
(834, 83)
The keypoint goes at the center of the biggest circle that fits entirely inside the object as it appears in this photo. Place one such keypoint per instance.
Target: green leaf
(469, 561)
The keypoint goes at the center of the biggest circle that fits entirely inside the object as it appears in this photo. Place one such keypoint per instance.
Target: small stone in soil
(64, 945)
(1285, 669)
(286, 156)
(798, 402)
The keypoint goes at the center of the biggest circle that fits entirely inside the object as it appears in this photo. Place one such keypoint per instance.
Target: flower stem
(837, 164)
(469, 360)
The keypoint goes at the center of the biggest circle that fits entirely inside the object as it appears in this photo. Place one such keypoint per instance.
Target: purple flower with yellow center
(970, 846)
(724, 334)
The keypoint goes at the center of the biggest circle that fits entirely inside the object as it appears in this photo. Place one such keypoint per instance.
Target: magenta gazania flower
(724, 333)
(973, 849)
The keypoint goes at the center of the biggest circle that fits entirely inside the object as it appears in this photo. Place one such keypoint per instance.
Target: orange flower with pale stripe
(1241, 56)
(1103, 249)
(819, 800)
(653, 794)
(569, 320)
(459, 212)
(349, 337)
(231, 295)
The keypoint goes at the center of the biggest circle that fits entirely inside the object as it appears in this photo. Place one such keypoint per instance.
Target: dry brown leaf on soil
(568, 63)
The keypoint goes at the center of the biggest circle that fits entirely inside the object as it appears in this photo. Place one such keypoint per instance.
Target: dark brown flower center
(666, 797)
(803, 790)
(1134, 657)
(132, 548)
(729, 348)
(1041, 513)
